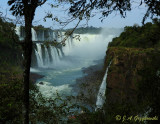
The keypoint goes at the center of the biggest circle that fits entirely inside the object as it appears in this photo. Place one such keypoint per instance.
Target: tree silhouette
(27, 9)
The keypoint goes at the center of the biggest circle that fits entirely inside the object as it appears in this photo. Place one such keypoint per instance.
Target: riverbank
(34, 77)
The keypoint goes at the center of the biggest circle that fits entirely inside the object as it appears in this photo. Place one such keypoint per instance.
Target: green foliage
(10, 52)
(7, 33)
(11, 96)
(139, 37)
(10, 75)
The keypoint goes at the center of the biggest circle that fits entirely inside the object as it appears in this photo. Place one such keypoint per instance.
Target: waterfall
(39, 60)
(47, 61)
(60, 53)
(39, 55)
(57, 59)
(20, 33)
(101, 94)
(46, 56)
(49, 57)
(53, 55)
(34, 35)
(91, 46)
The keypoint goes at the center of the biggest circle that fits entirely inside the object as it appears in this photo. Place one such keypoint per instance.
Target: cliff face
(123, 75)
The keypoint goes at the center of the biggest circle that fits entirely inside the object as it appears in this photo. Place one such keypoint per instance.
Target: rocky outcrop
(123, 75)
(34, 77)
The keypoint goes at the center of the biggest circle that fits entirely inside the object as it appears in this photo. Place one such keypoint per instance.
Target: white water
(55, 57)
(48, 90)
(101, 94)
(58, 81)
(18, 32)
(47, 60)
(90, 46)
(34, 35)
(39, 55)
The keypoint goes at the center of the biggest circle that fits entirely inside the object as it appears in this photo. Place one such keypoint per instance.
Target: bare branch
(70, 33)
(41, 3)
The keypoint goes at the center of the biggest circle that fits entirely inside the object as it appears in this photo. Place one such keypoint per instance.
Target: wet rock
(34, 77)
(41, 83)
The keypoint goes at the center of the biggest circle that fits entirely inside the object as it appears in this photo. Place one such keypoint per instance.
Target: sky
(113, 20)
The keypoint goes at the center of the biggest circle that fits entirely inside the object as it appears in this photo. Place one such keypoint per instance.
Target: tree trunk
(27, 63)
(29, 11)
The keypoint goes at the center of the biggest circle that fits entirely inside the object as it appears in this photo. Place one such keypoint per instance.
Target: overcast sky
(113, 20)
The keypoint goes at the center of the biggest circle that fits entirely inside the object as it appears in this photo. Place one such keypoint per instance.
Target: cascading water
(34, 35)
(101, 94)
(55, 58)
(51, 56)
(39, 55)
(47, 60)
(91, 46)
(20, 33)
(39, 60)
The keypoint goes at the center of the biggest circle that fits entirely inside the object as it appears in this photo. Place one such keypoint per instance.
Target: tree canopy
(106, 7)
(18, 6)
(139, 37)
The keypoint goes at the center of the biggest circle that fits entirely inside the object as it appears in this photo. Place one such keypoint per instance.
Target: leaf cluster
(106, 7)
(17, 7)
(20, 7)
(153, 9)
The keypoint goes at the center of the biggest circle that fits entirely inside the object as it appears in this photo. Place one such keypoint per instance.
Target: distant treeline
(81, 30)
(84, 30)
(94, 30)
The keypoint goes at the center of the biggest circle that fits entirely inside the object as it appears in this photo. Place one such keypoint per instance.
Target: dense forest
(139, 36)
(10, 74)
